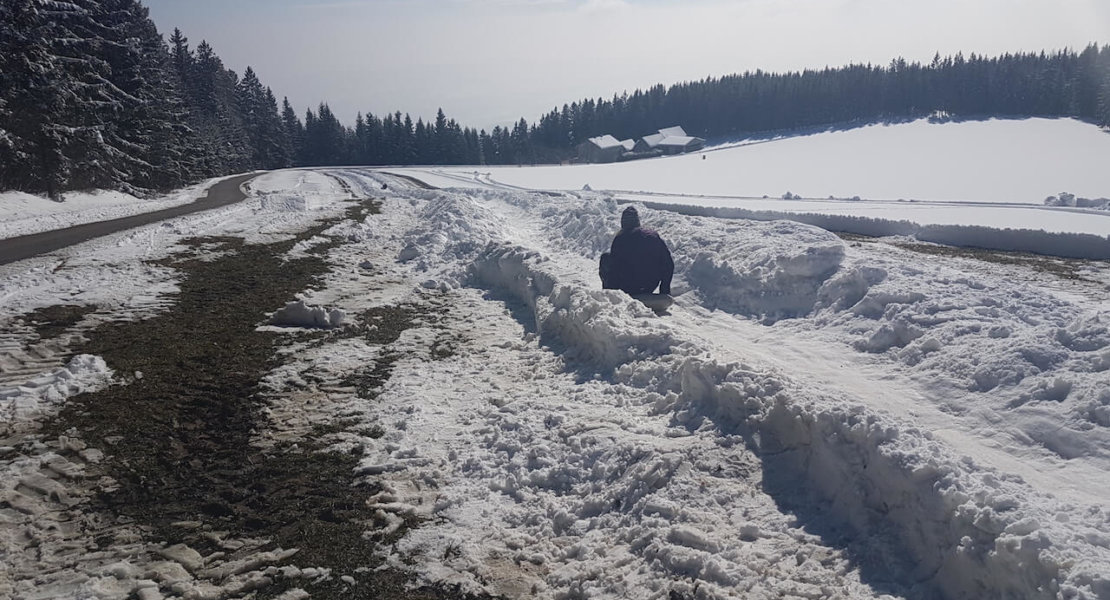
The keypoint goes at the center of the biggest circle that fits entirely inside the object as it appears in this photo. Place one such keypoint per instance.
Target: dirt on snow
(181, 437)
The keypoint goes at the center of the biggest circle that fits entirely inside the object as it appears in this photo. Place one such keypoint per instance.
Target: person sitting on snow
(638, 261)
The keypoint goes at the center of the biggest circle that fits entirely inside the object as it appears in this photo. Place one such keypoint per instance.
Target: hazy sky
(488, 62)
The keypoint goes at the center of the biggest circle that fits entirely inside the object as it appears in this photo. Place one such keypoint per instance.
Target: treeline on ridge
(92, 96)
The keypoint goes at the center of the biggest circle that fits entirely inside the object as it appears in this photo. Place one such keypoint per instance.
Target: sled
(657, 302)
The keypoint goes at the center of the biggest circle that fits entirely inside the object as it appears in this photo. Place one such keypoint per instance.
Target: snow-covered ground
(815, 418)
(994, 174)
(954, 409)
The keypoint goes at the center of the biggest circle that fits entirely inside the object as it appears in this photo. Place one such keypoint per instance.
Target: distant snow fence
(1064, 245)
(942, 525)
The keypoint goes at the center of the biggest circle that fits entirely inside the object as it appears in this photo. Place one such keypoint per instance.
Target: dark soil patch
(179, 434)
(369, 382)
(381, 326)
(1065, 268)
(53, 321)
(854, 237)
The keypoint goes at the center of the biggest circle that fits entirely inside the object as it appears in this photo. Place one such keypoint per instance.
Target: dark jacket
(638, 262)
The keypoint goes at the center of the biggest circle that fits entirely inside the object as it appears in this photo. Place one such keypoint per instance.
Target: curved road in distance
(18, 248)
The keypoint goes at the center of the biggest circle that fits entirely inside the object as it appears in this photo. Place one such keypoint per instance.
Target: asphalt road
(13, 249)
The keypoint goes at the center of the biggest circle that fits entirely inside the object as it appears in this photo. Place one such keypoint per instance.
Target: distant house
(648, 142)
(678, 144)
(606, 148)
(672, 140)
(601, 149)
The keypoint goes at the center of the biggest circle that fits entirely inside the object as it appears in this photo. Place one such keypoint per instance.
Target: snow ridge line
(961, 529)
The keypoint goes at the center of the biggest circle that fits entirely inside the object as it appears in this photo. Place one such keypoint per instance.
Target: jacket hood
(630, 219)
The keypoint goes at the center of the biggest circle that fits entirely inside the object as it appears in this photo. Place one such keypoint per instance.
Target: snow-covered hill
(994, 174)
(997, 160)
(816, 417)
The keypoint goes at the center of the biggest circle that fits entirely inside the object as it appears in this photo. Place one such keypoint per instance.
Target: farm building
(602, 149)
(672, 140)
(606, 148)
(678, 144)
(648, 142)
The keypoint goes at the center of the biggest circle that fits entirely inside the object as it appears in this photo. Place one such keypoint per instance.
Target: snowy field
(878, 179)
(816, 418)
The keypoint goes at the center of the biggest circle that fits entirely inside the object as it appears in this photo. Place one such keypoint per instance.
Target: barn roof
(605, 141)
(677, 140)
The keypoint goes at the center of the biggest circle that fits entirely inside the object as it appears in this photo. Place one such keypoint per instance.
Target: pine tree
(522, 148)
(408, 139)
(141, 133)
(44, 88)
(293, 131)
(485, 145)
(269, 146)
(75, 74)
(90, 96)
(169, 140)
(26, 77)
(439, 153)
(424, 138)
(250, 99)
(212, 90)
(375, 141)
(325, 138)
(1102, 74)
(456, 144)
(280, 146)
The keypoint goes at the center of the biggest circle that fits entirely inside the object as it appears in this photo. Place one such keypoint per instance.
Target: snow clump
(43, 394)
(298, 313)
